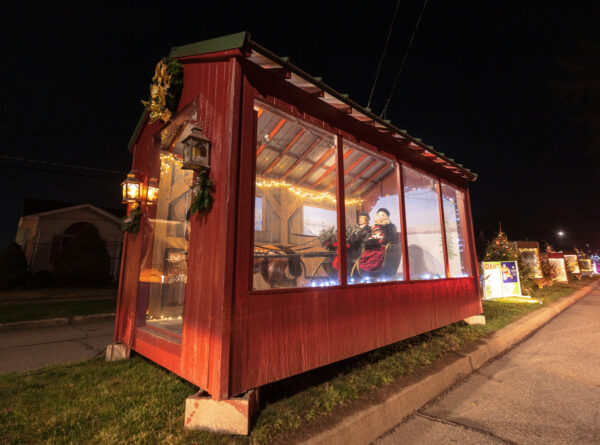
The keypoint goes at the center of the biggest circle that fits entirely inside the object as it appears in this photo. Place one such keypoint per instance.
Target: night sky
(490, 84)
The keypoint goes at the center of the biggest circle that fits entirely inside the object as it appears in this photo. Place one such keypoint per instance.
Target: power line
(385, 47)
(48, 138)
(62, 165)
(403, 60)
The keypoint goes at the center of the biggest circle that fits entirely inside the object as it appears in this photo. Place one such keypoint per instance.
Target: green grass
(11, 312)
(137, 402)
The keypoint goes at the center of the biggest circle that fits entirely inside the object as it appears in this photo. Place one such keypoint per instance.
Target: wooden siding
(284, 332)
(235, 339)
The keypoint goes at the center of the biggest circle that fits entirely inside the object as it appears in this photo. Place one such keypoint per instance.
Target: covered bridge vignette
(265, 285)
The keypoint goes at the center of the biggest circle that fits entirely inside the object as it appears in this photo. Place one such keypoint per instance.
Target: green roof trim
(224, 43)
(242, 41)
(137, 129)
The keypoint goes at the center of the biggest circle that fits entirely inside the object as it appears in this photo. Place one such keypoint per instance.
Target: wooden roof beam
(349, 169)
(302, 157)
(361, 172)
(317, 164)
(377, 173)
(330, 169)
(284, 151)
(271, 136)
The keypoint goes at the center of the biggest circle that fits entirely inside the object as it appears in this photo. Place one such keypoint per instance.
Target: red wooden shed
(264, 285)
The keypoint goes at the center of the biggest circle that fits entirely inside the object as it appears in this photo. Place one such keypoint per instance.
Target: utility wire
(60, 164)
(385, 47)
(412, 38)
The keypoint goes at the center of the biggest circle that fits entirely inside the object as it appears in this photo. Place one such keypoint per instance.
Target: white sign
(500, 279)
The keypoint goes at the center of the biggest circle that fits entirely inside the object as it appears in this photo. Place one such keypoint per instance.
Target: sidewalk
(544, 391)
(32, 348)
(372, 422)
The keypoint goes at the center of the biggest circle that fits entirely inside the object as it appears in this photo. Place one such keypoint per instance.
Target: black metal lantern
(196, 151)
(131, 189)
(152, 193)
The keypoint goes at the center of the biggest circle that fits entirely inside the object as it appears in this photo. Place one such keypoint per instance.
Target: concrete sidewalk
(544, 391)
(27, 349)
(367, 425)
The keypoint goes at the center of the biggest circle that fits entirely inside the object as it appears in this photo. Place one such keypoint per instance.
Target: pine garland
(202, 200)
(131, 223)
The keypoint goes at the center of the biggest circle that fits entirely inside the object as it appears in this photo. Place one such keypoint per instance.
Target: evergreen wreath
(202, 200)
(131, 223)
(165, 90)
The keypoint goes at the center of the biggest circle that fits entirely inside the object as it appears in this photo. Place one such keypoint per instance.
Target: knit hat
(364, 214)
(384, 210)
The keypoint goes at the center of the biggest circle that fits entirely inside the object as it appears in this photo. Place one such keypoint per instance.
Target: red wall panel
(285, 332)
(234, 339)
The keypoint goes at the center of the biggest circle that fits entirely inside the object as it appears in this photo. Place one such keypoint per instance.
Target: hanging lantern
(196, 150)
(152, 195)
(131, 189)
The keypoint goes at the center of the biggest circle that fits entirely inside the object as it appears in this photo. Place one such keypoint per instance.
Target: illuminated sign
(572, 263)
(531, 259)
(501, 279)
(560, 271)
(586, 266)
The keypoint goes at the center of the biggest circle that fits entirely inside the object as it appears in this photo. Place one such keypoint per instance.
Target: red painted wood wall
(233, 338)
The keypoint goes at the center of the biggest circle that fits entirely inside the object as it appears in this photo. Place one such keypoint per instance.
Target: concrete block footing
(116, 352)
(230, 416)
(475, 319)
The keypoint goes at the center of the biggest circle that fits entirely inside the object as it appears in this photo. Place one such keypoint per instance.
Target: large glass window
(163, 274)
(423, 226)
(372, 207)
(455, 222)
(295, 230)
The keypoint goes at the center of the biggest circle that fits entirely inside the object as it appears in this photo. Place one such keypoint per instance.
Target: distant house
(42, 235)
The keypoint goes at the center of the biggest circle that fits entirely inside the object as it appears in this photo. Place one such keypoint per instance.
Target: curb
(366, 426)
(48, 322)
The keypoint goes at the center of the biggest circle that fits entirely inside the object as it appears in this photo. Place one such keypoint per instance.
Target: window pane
(163, 274)
(455, 221)
(295, 231)
(372, 217)
(258, 219)
(423, 226)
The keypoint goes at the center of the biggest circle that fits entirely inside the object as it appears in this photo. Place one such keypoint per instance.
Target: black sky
(480, 85)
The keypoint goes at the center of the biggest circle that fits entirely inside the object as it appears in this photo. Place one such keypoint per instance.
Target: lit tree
(499, 249)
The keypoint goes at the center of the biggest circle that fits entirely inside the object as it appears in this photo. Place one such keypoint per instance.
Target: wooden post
(443, 225)
(472, 250)
(404, 235)
(341, 214)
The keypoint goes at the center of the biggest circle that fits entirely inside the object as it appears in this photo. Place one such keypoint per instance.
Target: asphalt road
(27, 349)
(546, 390)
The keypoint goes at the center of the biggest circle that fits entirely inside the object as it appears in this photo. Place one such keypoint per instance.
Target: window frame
(277, 106)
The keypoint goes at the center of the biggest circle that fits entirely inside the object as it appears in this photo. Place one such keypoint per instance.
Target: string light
(303, 192)
(162, 318)
(166, 159)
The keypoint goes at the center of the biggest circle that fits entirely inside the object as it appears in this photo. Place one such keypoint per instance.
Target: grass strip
(58, 291)
(136, 401)
(12, 312)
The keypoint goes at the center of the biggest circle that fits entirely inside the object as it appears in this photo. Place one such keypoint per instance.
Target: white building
(43, 235)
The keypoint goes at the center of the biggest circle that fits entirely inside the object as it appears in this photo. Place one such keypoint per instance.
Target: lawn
(54, 292)
(136, 401)
(10, 312)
